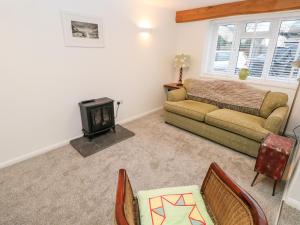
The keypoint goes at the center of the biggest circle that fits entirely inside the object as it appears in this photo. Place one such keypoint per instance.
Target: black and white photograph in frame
(82, 31)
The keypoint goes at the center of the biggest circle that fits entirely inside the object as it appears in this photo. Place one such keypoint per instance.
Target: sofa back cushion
(228, 94)
(272, 101)
(187, 83)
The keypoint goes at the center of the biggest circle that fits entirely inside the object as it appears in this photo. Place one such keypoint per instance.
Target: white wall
(41, 81)
(193, 39)
(292, 195)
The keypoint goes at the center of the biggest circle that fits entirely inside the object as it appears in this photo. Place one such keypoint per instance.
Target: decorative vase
(244, 73)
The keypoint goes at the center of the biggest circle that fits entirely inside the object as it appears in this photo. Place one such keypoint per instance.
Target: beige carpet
(62, 188)
(289, 216)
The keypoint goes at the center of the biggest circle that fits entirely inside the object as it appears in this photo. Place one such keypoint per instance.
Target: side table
(272, 157)
(172, 86)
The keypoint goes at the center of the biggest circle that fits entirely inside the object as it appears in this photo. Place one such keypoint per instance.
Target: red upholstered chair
(227, 203)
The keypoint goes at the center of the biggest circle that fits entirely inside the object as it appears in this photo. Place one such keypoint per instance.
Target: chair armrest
(276, 119)
(227, 202)
(125, 208)
(177, 95)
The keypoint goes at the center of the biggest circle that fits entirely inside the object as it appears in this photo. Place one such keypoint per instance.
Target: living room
(57, 54)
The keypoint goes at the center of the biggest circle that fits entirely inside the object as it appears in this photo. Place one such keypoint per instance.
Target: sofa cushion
(272, 101)
(239, 123)
(189, 108)
(176, 206)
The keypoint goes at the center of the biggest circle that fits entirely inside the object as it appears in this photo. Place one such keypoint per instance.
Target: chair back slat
(227, 202)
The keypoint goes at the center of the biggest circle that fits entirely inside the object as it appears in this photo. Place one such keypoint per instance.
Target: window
(224, 47)
(286, 50)
(258, 27)
(266, 47)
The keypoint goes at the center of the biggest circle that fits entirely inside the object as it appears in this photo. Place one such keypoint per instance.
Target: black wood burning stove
(97, 116)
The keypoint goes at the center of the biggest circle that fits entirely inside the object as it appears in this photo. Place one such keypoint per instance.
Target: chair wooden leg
(274, 187)
(254, 179)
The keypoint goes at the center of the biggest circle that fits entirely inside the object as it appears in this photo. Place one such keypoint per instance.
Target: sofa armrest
(177, 95)
(276, 119)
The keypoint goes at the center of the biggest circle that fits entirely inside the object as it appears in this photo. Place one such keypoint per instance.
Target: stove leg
(274, 187)
(254, 179)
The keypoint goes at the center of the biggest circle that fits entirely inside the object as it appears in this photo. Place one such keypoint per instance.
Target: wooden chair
(227, 203)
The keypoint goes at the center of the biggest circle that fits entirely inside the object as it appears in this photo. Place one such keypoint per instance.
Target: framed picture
(82, 31)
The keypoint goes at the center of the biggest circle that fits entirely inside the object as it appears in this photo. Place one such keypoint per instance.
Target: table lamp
(181, 61)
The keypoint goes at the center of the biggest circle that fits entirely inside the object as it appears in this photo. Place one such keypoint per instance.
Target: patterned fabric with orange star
(176, 206)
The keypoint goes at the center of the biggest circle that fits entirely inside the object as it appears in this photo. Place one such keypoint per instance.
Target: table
(272, 157)
(172, 86)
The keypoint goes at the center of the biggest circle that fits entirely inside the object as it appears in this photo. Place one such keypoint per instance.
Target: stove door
(102, 118)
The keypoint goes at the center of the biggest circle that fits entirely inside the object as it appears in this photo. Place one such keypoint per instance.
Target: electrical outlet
(119, 102)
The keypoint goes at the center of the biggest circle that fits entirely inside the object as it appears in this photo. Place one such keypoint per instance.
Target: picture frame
(82, 31)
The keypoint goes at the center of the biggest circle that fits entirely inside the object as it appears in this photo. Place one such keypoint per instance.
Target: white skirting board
(139, 116)
(35, 153)
(65, 142)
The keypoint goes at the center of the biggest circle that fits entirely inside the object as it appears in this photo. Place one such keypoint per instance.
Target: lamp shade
(182, 61)
(296, 64)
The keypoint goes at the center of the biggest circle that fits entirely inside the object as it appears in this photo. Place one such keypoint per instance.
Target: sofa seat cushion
(189, 108)
(246, 125)
(176, 206)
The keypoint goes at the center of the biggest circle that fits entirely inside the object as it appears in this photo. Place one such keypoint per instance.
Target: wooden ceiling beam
(236, 8)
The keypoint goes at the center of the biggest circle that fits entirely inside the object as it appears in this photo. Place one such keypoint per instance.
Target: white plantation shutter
(252, 55)
(286, 51)
(224, 47)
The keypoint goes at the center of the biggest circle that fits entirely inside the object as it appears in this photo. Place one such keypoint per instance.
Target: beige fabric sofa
(237, 130)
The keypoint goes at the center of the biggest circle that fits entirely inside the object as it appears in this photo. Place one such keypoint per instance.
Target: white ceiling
(186, 4)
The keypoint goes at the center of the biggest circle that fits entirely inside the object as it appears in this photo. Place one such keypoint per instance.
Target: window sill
(291, 85)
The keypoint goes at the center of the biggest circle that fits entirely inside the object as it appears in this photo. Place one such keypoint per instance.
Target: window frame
(240, 23)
